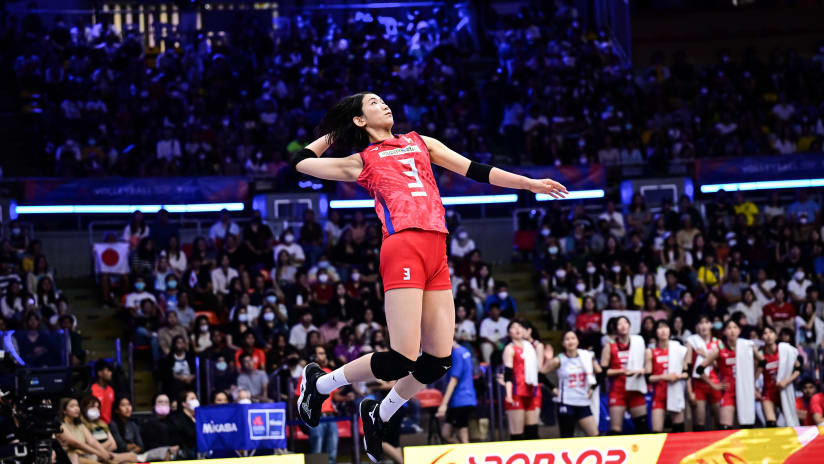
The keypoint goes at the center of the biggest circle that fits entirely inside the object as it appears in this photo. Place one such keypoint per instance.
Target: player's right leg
(403, 316)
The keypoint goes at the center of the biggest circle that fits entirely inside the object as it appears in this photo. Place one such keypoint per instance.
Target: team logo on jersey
(400, 151)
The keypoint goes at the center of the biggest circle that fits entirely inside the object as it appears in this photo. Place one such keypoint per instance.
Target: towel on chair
(637, 358)
(787, 355)
(744, 382)
(595, 403)
(676, 353)
(697, 343)
(530, 364)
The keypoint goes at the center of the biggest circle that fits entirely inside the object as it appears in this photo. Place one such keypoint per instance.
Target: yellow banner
(283, 459)
(641, 449)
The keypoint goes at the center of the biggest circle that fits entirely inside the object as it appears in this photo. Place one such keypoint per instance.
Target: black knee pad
(640, 424)
(678, 428)
(516, 436)
(770, 423)
(698, 428)
(429, 368)
(391, 365)
(531, 432)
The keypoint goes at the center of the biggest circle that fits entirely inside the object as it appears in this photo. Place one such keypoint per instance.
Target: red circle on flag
(110, 257)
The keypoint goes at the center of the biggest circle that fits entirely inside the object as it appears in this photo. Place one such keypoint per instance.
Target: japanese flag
(111, 258)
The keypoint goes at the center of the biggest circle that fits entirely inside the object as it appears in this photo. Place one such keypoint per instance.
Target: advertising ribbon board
(230, 427)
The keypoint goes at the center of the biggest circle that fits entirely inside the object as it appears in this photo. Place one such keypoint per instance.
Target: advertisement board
(774, 445)
(230, 427)
(284, 459)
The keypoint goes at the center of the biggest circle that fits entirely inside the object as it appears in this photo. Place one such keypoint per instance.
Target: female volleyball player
(700, 390)
(657, 364)
(575, 386)
(768, 361)
(523, 388)
(724, 360)
(420, 313)
(614, 358)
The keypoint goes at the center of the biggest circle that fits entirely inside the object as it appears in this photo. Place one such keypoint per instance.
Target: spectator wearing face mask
(243, 396)
(133, 299)
(178, 368)
(502, 298)
(201, 336)
(167, 333)
(157, 431)
(224, 375)
(322, 266)
(99, 430)
(183, 423)
(288, 244)
(461, 244)
(797, 287)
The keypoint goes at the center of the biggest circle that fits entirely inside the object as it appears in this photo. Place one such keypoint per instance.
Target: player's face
(769, 336)
(663, 333)
(376, 112)
(516, 332)
(623, 327)
(732, 331)
(570, 341)
(704, 327)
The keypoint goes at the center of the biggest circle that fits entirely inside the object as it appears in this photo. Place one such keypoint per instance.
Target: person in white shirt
(615, 220)
(222, 276)
(798, 286)
(294, 249)
(465, 331)
(298, 333)
(782, 109)
(333, 229)
(462, 245)
(751, 307)
(493, 330)
(762, 288)
(139, 294)
(222, 227)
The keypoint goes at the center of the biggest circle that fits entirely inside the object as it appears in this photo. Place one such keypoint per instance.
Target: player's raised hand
(547, 186)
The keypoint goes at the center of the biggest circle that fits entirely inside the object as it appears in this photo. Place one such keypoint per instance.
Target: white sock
(391, 404)
(332, 381)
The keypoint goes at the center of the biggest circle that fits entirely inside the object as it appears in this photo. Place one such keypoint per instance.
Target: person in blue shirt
(459, 398)
(671, 293)
(503, 299)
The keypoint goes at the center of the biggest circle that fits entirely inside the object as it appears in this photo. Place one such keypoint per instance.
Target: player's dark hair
(338, 125)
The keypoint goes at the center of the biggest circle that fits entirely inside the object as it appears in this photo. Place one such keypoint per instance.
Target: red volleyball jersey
(726, 364)
(711, 346)
(619, 355)
(771, 369)
(660, 361)
(397, 173)
(519, 385)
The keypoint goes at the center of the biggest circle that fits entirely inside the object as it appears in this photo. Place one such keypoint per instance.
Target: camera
(30, 403)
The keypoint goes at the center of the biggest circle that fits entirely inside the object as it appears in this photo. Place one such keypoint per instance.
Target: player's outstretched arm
(308, 161)
(446, 158)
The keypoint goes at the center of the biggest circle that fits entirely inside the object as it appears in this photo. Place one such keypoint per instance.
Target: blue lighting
(126, 209)
(573, 195)
(762, 185)
(447, 201)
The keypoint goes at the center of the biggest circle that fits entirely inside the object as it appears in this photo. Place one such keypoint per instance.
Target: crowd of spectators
(757, 263)
(31, 302)
(239, 103)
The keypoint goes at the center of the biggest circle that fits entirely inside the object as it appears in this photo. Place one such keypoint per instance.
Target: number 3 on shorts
(406, 274)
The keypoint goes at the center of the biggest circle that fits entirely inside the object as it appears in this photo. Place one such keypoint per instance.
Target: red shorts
(771, 393)
(703, 392)
(620, 396)
(659, 396)
(527, 403)
(414, 258)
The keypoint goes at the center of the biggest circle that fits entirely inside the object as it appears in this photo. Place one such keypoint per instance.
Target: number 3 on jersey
(413, 173)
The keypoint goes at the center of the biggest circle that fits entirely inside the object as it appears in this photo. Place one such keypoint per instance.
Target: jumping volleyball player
(420, 313)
